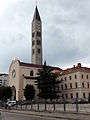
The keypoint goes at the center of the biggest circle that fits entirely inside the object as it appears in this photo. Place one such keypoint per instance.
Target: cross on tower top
(36, 2)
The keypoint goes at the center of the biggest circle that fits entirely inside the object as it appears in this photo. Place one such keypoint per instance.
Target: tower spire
(36, 14)
(36, 38)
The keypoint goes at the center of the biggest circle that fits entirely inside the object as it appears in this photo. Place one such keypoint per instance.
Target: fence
(54, 107)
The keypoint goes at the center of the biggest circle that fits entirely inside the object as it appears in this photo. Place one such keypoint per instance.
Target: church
(21, 73)
(75, 80)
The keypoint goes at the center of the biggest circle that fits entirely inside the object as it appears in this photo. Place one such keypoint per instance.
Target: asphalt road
(17, 116)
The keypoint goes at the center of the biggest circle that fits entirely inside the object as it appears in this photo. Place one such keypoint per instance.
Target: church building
(21, 73)
(75, 81)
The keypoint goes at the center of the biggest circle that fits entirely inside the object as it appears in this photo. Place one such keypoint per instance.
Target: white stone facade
(21, 74)
(3, 79)
(75, 83)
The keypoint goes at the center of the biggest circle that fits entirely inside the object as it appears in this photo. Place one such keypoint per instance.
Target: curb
(35, 114)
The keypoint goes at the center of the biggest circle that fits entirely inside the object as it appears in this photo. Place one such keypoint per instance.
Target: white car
(11, 103)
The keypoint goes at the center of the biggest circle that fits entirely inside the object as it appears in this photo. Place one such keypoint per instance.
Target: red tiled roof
(57, 71)
(30, 65)
(75, 69)
(37, 66)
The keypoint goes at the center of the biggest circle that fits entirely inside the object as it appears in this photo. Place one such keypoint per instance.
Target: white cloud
(4, 4)
(66, 31)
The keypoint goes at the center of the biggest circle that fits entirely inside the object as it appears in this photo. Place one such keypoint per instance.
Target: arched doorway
(13, 93)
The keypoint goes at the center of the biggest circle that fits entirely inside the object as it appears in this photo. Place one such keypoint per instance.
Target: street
(17, 116)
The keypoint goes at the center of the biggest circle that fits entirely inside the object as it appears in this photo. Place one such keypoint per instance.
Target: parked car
(79, 101)
(2, 103)
(11, 103)
(27, 102)
(82, 101)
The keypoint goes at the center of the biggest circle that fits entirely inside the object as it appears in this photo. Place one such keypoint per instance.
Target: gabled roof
(37, 66)
(29, 65)
(36, 15)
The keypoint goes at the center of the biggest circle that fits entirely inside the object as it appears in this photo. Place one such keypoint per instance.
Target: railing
(76, 106)
(64, 107)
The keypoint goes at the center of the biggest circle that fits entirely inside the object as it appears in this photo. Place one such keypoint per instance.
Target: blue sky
(66, 31)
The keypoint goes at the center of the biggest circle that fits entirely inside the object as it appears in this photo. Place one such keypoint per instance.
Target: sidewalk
(61, 115)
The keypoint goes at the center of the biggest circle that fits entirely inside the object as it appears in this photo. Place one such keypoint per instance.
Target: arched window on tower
(31, 73)
(38, 50)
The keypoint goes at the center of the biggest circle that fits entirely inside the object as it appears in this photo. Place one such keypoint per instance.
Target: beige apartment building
(3, 79)
(75, 82)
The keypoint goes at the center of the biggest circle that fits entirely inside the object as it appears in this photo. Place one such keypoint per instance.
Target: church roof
(36, 15)
(30, 65)
(36, 65)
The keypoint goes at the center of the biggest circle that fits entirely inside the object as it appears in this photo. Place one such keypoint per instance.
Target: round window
(13, 73)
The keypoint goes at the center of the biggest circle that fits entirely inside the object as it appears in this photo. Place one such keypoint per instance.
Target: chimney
(79, 64)
(73, 66)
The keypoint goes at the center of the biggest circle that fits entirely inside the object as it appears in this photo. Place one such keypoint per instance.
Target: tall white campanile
(36, 38)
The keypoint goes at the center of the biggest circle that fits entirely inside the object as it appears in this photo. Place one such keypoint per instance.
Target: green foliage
(47, 83)
(0, 94)
(29, 92)
(5, 93)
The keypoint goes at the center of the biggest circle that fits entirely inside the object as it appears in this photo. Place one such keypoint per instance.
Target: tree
(29, 92)
(47, 83)
(0, 93)
(6, 92)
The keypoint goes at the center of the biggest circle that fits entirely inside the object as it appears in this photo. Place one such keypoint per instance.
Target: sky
(65, 29)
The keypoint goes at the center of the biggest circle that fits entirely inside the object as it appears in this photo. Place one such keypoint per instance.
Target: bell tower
(36, 38)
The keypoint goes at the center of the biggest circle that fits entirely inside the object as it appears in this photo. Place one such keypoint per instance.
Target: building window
(66, 96)
(82, 76)
(31, 73)
(83, 85)
(38, 50)
(70, 77)
(38, 33)
(75, 76)
(87, 76)
(62, 96)
(33, 42)
(75, 85)
(61, 79)
(57, 88)
(65, 78)
(88, 84)
(33, 34)
(71, 95)
(66, 86)
(71, 85)
(4, 83)
(38, 42)
(88, 95)
(62, 87)
(76, 95)
(83, 95)
(13, 73)
(33, 51)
